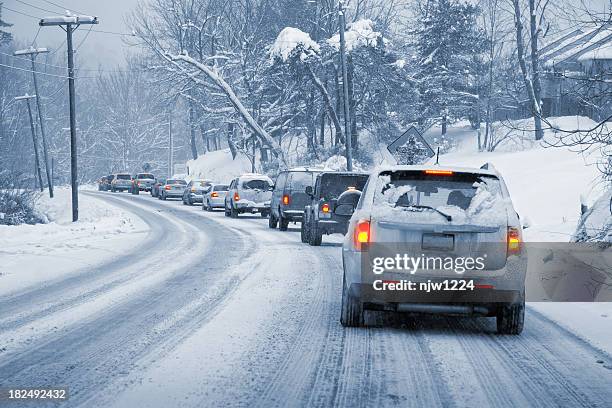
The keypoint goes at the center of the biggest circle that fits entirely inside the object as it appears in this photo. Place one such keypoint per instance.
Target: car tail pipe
(442, 309)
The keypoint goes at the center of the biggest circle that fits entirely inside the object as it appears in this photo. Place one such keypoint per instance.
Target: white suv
(426, 239)
(249, 193)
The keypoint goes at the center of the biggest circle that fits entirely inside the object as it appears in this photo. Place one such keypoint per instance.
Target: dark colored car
(195, 190)
(142, 182)
(324, 215)
(104, 183)
(157, 185)
(289, 197)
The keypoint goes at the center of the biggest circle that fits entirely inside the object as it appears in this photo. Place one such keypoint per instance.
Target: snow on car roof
(490, 171)
(312, 169)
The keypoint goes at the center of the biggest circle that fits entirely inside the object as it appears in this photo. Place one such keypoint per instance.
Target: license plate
(438, 242)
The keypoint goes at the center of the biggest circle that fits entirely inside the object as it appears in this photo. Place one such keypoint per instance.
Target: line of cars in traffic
(429, 211)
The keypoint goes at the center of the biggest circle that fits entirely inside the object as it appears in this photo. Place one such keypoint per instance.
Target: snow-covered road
(213, 311)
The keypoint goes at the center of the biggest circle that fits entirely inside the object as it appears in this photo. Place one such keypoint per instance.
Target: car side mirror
(345, 209)
(309, 190)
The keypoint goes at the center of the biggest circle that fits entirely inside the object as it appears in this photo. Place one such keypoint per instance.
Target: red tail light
(325, 208)
(514, 241)
(286, 199)
(362, 234)
(236, 196)
(214, 194)
(168, 187)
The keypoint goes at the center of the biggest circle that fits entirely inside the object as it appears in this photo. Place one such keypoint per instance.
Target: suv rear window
(183, 182)
(256, 184)
(301, 179)
(124, 177)
(411, 189)
(145, 176)
(332, 185)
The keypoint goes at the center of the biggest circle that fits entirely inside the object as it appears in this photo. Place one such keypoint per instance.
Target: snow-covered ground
(34, 254)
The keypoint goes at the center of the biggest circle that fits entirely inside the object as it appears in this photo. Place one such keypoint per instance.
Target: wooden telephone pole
(69, 23)
(27, 98)
(33, 52)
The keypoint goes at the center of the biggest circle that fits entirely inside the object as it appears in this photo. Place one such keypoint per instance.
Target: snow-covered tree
(449, 47)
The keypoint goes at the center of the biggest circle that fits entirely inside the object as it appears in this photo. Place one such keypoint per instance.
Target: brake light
(236, 196)
(362, 234)
(439, 172)
(214, 194)
(286, 199)
(167, 187)
(193, 189)
(514, 241)
(325, 208)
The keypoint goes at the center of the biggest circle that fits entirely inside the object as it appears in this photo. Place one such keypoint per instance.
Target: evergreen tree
(4, 36)
(448, 47)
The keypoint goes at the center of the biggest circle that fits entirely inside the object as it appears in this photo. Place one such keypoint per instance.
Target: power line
(44, 73)
(84, 38)
(76, 69)
(62, 7)
(19, 12)
(33, 6)
(36, 36)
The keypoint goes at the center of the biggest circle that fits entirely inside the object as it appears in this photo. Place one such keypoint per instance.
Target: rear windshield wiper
(426, 207)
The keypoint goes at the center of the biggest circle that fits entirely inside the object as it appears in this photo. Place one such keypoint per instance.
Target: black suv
(289, 196)
(323, 215)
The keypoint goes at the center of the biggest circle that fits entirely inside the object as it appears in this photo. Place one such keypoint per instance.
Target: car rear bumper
(218, 202)
(293, 215)
(246, 206)
(196, 198)
(332, 226)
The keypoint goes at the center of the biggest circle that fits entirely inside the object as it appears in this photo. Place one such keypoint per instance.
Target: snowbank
(291, 40)
(219, 166)
(596, 223)
(32, 254)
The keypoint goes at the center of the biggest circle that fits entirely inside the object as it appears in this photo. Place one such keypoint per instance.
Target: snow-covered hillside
(546, 183)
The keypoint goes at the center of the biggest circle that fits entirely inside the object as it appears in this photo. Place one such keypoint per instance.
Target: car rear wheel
(351, 314)
(315, 236)
(304, 231)
(233, 212)
(208, 206)
(272, 221)
(511, 318)
(264, 214)
(227, 211)
(283, 223)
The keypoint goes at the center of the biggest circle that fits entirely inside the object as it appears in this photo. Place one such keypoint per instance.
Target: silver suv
(249, 193)
(425, 239)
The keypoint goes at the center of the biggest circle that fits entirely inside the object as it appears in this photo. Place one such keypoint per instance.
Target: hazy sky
(98, 49)
(102, 49)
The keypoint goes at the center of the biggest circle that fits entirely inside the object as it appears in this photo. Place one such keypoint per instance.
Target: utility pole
(347, 117)
(170, 148)
(71, 23)
(27, 98)
(33, 52)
